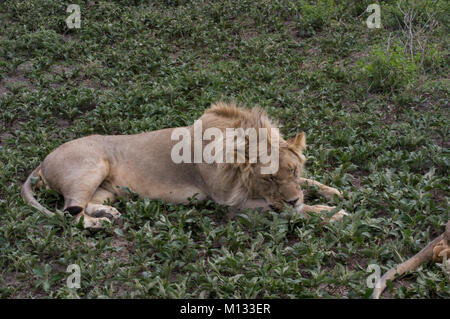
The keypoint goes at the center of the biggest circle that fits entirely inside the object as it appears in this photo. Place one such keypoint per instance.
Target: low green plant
(388, 71)
(136, 66)
(314, 17)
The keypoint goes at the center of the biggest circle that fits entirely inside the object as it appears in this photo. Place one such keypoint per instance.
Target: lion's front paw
(329, 193)
(338, 216)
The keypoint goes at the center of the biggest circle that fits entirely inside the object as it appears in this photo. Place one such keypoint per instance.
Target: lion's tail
(412, 263)
(27, 194)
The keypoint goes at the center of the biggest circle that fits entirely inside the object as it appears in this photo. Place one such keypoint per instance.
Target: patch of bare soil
(21, 290)
(90, 84)
(121, 249)
(14, 81)
(397, 284)
(24, 67)
(82, 81)
(339, 291)
(388, 114)
(357, 177)
(3, 89)
(248, 34)
(9, 127)
(62, 123)
(176, 52)
(439, 196)
(357, 56)
(17, 79)
(61, 69)
(440, 141)
(67, 37)
(3, 137)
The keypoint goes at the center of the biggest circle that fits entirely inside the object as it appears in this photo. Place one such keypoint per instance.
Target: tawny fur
(90, 170)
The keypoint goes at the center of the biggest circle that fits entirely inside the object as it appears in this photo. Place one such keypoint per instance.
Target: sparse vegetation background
(373, 103)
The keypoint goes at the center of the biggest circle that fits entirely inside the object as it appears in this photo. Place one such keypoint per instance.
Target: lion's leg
(102, 195)
(326, 191)
(81, 187)
(303, 209)
(96, 207)
(318, 208)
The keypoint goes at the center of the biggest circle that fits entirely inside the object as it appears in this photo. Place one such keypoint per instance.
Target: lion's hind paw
(96, 216)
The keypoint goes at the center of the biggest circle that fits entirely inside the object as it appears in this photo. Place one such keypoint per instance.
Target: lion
(92, 170)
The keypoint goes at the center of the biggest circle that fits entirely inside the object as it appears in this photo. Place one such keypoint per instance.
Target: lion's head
(283, 187)
(246, 180)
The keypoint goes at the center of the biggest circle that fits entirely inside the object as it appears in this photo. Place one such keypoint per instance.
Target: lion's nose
(292, 202)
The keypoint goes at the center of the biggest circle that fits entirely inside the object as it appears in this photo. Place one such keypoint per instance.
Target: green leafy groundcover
(136, 66)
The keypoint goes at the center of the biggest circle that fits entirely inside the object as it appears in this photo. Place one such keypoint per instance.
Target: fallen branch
(437, 250)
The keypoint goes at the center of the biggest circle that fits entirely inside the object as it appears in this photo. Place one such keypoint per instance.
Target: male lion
(90, 170)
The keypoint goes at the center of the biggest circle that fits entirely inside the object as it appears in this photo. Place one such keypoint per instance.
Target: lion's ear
(299, 141)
